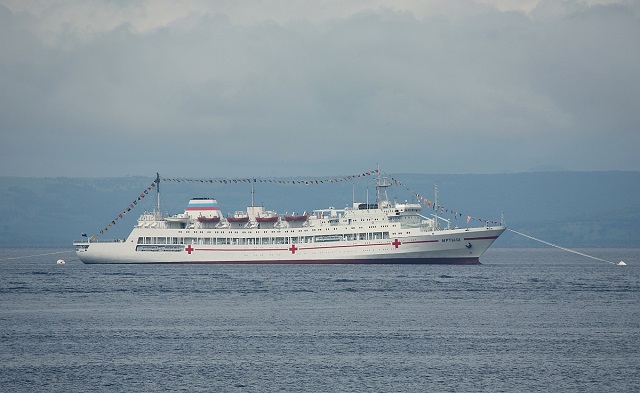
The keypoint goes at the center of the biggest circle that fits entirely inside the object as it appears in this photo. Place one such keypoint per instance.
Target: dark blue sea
(529, 320)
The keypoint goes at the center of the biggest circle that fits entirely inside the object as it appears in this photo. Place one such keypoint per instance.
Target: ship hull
(456, 247)
(384, 261)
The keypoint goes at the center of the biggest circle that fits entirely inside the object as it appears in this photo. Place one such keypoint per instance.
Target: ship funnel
(202, 207)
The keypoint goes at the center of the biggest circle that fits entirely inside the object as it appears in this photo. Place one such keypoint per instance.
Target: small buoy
(621, 263)
(60, 262)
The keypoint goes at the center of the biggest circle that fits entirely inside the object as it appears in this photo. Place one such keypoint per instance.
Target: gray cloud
(480, 91)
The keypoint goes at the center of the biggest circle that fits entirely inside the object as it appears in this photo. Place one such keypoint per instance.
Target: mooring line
(562, 248)
(36, 255)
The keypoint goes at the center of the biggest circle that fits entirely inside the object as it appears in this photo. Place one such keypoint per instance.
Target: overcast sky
(287, 88)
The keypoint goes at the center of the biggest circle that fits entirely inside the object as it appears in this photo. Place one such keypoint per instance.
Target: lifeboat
(208, 219)
(181, 218)
(267, 219)
(238, 217)
(296, 218)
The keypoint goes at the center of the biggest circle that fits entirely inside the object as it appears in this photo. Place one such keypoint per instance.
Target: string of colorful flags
(397, 182)
(441, 209)
(257, 180)
(231, 181)
(128, 209)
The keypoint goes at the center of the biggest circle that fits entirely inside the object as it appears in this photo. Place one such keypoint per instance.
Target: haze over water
(525, 320)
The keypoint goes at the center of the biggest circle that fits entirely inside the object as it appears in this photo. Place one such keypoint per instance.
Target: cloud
(186, 87)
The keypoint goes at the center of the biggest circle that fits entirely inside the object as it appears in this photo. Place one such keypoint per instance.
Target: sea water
(525, 320)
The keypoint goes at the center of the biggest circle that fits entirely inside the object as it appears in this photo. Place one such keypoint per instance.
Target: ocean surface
(536, 319)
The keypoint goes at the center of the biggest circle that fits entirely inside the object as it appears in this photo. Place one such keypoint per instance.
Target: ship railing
(443, 219)
(435, 220)
(84, 241)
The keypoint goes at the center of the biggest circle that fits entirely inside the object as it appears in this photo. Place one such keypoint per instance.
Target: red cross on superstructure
(189, 249)
(293, 249)
(396, 243)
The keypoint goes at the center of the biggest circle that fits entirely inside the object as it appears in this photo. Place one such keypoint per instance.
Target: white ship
(378, 233)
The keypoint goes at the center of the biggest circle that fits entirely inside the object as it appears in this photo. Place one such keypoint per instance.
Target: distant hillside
(574, 209)
(577, 209)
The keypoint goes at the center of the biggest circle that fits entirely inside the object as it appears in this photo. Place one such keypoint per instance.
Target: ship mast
(435, 203)
(382, 184)
(158, 214)
(252, 192)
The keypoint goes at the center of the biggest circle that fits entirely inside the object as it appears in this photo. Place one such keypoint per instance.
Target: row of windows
(264, 240)
(284, 231)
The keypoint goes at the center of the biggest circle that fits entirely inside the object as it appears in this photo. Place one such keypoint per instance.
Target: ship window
(140, 240)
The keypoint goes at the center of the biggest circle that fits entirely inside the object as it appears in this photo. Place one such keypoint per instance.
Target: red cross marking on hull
(396, 243)
(189, 249)
(293, 248)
